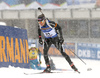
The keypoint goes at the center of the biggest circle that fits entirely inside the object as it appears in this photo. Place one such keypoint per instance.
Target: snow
(51, 6)
(33, 5)
(64, 5)
(2, 23)
(60, 62)
(3, 6)
(18, 7)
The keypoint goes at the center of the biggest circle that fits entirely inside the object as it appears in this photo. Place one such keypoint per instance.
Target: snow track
(60, 63)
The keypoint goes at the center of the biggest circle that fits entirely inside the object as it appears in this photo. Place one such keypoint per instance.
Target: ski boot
(74, 68)
(48, 69)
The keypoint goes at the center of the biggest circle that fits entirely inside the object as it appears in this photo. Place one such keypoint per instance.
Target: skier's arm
(59, 30)
(61, 40)
(57, 27)
(39, 34)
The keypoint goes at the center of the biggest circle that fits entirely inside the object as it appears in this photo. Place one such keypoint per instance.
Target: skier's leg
(47, 45)
(37, 65)
(65, 55)
(31, 64)
(68, 59)
(59, 47)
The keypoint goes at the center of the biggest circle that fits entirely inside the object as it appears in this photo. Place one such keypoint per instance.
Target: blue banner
(13, 47)
(88, 51)
(78, 2)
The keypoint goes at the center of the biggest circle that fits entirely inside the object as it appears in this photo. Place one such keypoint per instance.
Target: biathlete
(33, 58)
(51, 30)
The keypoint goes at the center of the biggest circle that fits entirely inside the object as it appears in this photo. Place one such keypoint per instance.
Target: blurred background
(79, 19)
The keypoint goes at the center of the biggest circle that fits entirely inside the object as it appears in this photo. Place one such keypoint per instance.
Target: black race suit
(52, 40)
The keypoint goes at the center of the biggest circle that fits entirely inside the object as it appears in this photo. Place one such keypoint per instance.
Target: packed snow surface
(60, 63)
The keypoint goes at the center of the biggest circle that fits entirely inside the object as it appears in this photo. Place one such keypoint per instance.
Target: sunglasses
(41, 21)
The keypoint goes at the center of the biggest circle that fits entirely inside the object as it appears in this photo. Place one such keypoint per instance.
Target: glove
(40, 41)
(61, 40)
(40, 61)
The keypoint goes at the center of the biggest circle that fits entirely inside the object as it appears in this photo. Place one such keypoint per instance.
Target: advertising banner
(88, 51)
(67, 47)
(13, 47)
(78, 2)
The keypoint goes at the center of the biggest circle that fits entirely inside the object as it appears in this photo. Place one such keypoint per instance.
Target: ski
(46, 72)
(53, 71)
(41, 73)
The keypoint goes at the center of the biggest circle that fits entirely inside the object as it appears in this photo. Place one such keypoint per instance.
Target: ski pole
(76, 55)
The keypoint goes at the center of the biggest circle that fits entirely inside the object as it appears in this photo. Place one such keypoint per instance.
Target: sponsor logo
(12, 49)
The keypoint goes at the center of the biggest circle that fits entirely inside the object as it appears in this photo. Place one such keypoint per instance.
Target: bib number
(48, 35)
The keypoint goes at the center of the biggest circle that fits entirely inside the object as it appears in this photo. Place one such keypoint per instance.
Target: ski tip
(78, 72)
(25, 73)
